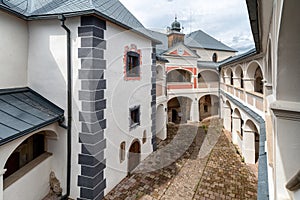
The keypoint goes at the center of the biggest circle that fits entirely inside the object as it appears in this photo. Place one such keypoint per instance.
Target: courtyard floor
(190, 164)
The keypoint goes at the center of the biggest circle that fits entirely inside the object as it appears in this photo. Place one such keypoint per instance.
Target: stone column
(227, 117)
(249, 84)
(195, 110)
(2, 172)
(249, 146)
(236, 122)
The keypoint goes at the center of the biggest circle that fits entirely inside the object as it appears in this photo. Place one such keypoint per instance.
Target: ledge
(286, 109)
(25, 169)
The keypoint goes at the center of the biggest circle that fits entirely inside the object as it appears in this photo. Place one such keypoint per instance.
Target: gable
(181, 51)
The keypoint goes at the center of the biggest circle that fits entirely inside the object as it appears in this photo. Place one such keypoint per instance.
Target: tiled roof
(23, 111)
(112, 10)
(199, 39)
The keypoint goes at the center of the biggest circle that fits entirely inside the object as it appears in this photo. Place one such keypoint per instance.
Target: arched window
(231, 78)
(215, 57)
(258, 84)
(26, 152)
(122, 152)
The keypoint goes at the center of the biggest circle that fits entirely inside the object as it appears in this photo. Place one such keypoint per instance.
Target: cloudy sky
(225, 20)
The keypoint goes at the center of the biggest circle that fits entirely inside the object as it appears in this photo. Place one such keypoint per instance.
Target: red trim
(190, 86)
(133, 47)
(195, 82)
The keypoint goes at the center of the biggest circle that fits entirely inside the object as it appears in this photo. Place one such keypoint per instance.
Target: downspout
(69, 102)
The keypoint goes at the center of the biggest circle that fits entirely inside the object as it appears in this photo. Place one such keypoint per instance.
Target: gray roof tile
(23, 111)
(111, 9)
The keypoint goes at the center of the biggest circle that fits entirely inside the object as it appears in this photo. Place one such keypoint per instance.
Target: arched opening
(122, 151)
(208, 79)
(208, 106)
(239, 75)
(228, 116)
(134, 156)
(237, 134)
(179, 76)
(252, 145)
(231, 78)
(222, 76)
(215, 57)
(269, 68)
(179, 109)
(258, 84)
(26, 152)
(255, 75)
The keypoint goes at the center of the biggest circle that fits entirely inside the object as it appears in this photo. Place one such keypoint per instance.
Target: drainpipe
(69, 100)
(219, 85)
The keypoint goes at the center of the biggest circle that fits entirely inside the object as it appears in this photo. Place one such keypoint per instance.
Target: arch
(27, 150)
(179, 109)
(251, 127)
(239, 75)
(159, 72)
(208, 78)
(237, 133)
(134, 155)
(179, 75)
(228, 116)
(208, 106)
(122, 151)
(255, 74)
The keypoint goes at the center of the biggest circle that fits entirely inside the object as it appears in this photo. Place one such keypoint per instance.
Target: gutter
(69, 102)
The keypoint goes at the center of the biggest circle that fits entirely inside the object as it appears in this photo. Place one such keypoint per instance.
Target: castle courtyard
(196, 161)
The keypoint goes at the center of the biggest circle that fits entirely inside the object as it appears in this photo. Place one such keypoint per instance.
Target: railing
(252, 98)
(179, 85)
(208, 84)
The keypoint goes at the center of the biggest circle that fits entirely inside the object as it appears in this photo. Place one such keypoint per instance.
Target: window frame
(138, 110)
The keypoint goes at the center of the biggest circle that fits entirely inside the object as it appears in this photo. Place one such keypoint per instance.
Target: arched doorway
(208, 106)
(179, 109)
(134, 156)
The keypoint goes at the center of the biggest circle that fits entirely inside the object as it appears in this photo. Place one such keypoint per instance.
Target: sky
(225, 20)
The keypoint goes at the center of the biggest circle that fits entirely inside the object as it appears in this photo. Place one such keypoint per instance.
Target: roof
(199, 39)
(238, 57)
(112, 10)
(23, 111)
(207, 64)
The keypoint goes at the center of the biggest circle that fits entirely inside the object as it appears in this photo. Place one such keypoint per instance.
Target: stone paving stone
(189, 164)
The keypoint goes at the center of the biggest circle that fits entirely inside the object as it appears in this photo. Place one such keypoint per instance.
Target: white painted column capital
(2, 172)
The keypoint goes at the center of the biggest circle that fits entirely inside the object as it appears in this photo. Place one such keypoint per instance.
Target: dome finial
(175, 26)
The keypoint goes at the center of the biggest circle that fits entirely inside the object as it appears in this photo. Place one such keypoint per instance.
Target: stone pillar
(227, 80)
(248, 150)
(236, 125)
(2, 172)
(195, 110)
(236, 82)
(249, 84)
(227, 117)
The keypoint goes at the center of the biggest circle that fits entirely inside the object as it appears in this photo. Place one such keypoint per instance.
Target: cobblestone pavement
(190, 164)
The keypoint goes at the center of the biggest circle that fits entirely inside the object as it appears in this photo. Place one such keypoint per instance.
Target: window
(214, 57)
(29, 150)
(122, 151)
(205, 108)
(135, 116)
(133, 64)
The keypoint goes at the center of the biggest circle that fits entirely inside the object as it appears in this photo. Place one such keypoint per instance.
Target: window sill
(134, 125)
(25, 169)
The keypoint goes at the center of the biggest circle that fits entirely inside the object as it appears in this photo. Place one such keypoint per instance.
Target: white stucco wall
(34, 185)
(206, 54)
(47, 74)
(121, 95)
(14, 51)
